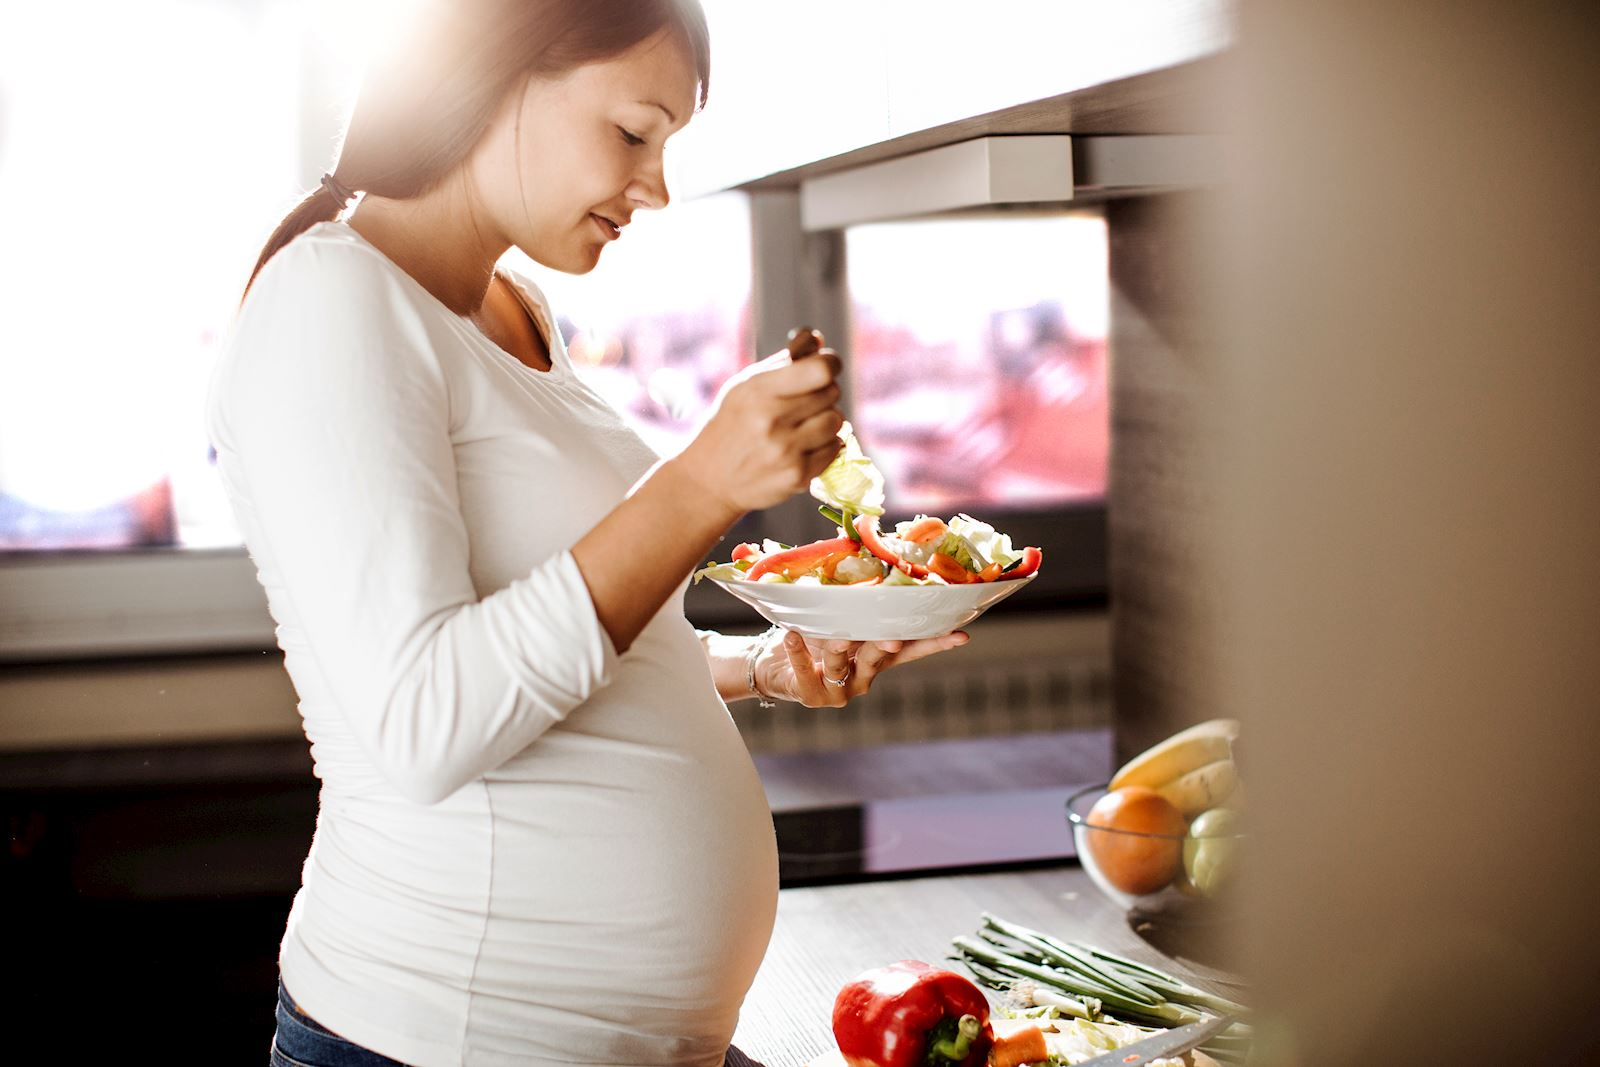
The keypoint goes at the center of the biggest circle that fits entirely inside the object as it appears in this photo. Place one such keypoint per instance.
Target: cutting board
(834, 1059)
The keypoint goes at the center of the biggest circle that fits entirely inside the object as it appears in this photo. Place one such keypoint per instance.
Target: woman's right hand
(773, 427)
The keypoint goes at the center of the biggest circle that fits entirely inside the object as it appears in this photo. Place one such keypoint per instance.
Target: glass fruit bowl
(1191, 873)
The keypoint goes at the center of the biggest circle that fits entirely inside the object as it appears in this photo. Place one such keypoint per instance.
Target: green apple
(1211, 854)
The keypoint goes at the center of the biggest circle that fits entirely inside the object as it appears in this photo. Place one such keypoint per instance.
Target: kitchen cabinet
(831, 79)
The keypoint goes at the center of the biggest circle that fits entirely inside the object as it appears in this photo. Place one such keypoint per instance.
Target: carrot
(1023, 1046)
(926, 529)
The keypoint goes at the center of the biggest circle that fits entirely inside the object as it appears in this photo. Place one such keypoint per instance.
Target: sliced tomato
(1031, 558)
(803, 559)
(747, 550)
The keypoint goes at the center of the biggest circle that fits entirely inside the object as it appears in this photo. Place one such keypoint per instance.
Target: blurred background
(1298, 404)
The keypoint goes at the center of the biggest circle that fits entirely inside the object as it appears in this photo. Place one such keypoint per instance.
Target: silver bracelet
(757, 647)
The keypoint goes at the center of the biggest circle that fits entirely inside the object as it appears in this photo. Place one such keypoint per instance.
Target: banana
(1179, 754)
(1202, 788)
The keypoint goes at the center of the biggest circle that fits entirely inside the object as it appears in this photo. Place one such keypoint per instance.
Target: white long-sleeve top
(529, 849)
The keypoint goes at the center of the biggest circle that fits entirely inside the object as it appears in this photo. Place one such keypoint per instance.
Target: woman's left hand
(827, 674)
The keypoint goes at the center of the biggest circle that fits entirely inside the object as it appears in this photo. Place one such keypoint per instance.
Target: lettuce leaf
(726, 572)
(984, 540)
(852, 482)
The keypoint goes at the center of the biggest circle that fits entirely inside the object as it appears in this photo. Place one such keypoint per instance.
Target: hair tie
(340, 192)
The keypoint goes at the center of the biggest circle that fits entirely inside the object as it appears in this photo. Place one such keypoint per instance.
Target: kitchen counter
(174, 866)
(826, 935)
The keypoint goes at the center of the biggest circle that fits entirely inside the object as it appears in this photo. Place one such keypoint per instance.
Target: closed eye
(630, 138)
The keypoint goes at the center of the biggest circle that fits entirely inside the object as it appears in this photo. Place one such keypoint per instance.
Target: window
(980, 360)
(122, 211)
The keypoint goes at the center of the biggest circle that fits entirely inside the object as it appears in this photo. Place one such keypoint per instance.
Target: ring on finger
(838, 682)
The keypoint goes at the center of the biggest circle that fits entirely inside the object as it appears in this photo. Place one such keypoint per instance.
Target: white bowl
(874, 612)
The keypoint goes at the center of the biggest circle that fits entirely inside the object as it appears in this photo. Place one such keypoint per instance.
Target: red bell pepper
(793, 562)
(867, 527)
(950, 569)
(1031, 558)
(912, 1014)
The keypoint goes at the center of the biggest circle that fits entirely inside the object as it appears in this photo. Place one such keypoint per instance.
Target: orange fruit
(1134, 863)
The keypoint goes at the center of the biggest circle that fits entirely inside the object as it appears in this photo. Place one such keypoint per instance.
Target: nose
(649, 187)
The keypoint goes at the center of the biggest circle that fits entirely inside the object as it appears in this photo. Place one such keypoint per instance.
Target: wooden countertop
(826, 935)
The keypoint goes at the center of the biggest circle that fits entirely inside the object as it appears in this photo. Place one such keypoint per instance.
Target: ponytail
(322, 205)
(420, 113)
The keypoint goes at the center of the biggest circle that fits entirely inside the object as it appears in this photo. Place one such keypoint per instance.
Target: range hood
(997, 171)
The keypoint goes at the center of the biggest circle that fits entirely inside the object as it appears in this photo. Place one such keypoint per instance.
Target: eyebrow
(651, 103)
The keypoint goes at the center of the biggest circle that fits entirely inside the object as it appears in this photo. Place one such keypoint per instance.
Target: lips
(612, 230)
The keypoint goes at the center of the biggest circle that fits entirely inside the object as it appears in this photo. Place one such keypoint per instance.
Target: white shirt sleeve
(331, 415)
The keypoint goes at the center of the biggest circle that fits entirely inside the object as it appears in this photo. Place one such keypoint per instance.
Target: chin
(580, 261)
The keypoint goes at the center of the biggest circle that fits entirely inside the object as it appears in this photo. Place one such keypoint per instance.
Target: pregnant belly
(650, 887)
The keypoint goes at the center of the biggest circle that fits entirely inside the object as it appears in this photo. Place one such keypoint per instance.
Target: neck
(443, 239)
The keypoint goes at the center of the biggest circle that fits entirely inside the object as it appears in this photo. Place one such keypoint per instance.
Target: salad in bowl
(924, 577)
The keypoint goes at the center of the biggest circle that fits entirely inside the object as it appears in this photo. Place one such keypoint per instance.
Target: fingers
(819, 429)
(873, 657)
(812, 404)
(855, 663)
(817, 459)
(807, 685)
(836, 665)
(915, 650)
(804, 341)
(811, 683)
(803, 376)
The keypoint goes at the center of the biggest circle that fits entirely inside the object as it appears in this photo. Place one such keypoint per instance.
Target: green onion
(1073, 959)
(1006, 955)
(1031, 992)
(1172, 988)
(1012, 947)
(1072, 982)
(840, 519)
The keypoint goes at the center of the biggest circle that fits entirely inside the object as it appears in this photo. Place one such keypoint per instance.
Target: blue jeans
(303, 1042)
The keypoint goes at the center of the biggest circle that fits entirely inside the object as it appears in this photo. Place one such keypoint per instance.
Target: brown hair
(426, 105)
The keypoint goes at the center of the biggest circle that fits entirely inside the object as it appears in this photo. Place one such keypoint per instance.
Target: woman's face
(588, 153)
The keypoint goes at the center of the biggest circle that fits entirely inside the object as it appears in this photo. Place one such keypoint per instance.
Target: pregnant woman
(540, 838)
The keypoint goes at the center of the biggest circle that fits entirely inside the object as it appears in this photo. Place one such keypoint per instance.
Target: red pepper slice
(744, 551)
(911, 1014)
(1031, 558)
(867, 527)
(950, 569)
(793, 562)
